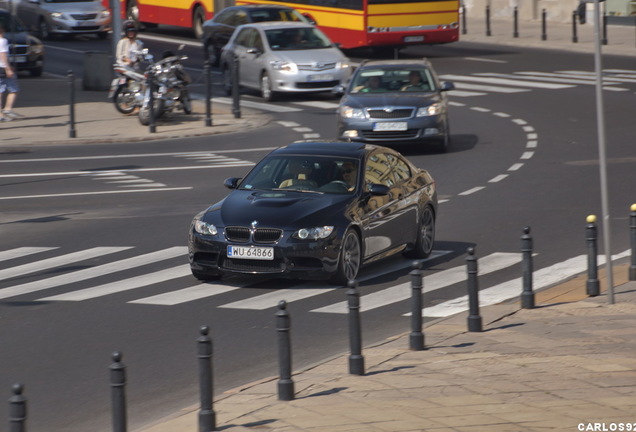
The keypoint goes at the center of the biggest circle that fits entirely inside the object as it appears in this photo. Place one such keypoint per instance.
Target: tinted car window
(240, 18)
(401, 170)
(390, 80)
(244, 37)
(261, 15)
(225, 17)
(297, 39)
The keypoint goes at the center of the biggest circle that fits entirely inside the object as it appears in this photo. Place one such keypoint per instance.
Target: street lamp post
(600, 119)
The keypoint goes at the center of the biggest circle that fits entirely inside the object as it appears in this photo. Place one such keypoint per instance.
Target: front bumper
(292, 258)
(309, 81)
(417, 130)
(73, 26)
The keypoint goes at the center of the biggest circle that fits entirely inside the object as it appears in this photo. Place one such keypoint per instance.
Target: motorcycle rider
(129, 46)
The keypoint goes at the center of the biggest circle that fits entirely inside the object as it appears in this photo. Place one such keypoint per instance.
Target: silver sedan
(275, 57)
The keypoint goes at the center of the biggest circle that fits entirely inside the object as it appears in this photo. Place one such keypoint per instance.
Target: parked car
(65, 17)
(218, 30)
(276, 57)
(26, 52)
(316, 210)
(397, 101)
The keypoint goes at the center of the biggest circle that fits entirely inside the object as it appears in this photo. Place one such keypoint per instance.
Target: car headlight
(284, 66)
(350, 112)
(205, 228)
(342, 65)
(431, 110)
(104, 14)
(313, 233)
(57, 15)
(36, 49)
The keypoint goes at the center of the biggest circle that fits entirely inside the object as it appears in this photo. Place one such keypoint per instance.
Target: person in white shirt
(8, 80)
(129, 46)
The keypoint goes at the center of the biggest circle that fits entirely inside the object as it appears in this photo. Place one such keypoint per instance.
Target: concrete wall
(529, 10)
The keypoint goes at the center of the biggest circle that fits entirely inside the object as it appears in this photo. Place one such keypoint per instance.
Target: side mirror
(447, 85)
(338, 90)
(232, 182)
(254, 51)
(378, 189)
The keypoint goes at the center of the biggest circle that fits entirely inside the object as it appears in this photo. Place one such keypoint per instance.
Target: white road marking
(22, 251)
(93, 272)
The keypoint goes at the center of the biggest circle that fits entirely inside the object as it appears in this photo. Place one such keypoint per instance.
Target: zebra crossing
(480, 84)
(84, 283)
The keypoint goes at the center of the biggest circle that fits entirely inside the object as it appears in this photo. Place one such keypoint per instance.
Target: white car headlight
(57, 15)
(313, 233)
(284, 66)
(104, 14)
(205, 228)
(431, 110)
(342, 65)
(349, 112)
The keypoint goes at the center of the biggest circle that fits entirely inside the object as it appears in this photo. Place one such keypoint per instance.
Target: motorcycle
(126, 89)
(169, 84)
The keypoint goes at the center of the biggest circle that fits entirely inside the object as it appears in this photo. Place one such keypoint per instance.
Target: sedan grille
(316, 67)
(260, 235)
(386, 135)
(19, 49)
(84, 17)
(387, 113)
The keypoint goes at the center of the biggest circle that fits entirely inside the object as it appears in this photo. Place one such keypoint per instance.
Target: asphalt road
(517, 159)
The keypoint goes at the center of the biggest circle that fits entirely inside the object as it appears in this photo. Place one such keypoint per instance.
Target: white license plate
(250, 252)
(320, 77)
(413, 38)
(19, 59)
(390, 126)
(86, 23)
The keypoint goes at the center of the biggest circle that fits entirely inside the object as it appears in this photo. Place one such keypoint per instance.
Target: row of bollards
(207, 416)
(577, 15)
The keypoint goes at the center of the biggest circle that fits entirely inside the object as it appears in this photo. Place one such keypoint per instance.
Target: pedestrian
(129, 47)
(8, 80)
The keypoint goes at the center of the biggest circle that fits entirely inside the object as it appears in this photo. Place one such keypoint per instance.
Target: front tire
(349, 260)
(198, 17)
(426, 235)
(266, 88)
(124, 100)
(144, 112)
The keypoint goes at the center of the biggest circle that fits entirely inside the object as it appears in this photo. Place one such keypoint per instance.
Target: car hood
(284, 209)
(372, 100)
(74, 7)
(20, 38)
(322, 55)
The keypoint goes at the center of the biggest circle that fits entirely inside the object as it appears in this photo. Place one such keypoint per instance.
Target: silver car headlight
(431, 110)
(58, 15)
(105, 14)
(313, 233)
(342, 65)
(205, 228)
(350, 112)
(284, 66)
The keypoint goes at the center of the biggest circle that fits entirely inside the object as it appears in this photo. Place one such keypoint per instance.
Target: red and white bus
(351, 23)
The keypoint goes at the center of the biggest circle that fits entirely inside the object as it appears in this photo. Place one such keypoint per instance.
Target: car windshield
(11, 26)
(307, 173)
(260, 15)
(302, 38)
(393, 80)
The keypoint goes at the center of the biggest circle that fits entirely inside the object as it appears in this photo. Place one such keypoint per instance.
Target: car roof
(274, 25)
(328, 148)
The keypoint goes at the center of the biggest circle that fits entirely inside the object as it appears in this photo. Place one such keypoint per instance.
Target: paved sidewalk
(568, 362)
(44, 104)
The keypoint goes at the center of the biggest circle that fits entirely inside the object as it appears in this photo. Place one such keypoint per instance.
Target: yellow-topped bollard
(633, 208)
(591, 219)
(593, 285)
(632, 241)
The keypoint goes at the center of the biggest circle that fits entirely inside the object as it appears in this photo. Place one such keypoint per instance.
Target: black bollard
(356, 360)
(118, 392)
(236, 106)
(604, 39)
(515, 20)
(464, 28)
(474, 319)
(285, 383)
(527, 295)
(632, 236)
(71, 87)
(544, 32)
(151, 102)
(416, 338)
(208, 93)
(592, 285)
(207, 417)
(17, 409)
(575, 37)
(488, 32)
